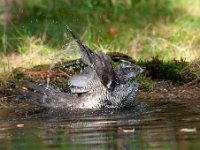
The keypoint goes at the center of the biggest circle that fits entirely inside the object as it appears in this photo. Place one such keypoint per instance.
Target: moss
(117, 56)
(159, 69)
(146, 83)
(40, 67)
(18, 74)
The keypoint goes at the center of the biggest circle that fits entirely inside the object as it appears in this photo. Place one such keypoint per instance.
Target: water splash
(70, 52)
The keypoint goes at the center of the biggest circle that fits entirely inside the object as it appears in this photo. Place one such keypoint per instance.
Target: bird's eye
(131, 69)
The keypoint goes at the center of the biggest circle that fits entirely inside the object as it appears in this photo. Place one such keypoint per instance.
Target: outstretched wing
(100, 62)
(52, 98)
(49, 98)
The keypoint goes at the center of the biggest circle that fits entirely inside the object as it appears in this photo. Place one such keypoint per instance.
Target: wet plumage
(98, 86)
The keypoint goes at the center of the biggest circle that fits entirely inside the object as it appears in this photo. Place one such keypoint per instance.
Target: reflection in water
(163, 125)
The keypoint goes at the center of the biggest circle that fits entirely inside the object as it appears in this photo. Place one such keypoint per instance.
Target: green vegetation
(142, 29)
(159, 69)
(146, 83)
(191, 71)
(160, 35)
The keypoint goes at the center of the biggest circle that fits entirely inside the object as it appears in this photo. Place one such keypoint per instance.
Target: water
(70, 51)
(161, 124)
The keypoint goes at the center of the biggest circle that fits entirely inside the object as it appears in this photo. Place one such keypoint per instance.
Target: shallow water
(158, 124)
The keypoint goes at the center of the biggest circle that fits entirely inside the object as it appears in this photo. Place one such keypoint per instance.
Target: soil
(166, 90)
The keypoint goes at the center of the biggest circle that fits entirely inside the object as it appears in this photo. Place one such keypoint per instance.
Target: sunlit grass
(192, 71)
(144, 29)
(31, 52)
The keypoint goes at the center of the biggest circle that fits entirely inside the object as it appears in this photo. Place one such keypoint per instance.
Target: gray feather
(98, 86)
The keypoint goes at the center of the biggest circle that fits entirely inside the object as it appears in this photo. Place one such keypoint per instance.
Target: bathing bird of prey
(100, 85)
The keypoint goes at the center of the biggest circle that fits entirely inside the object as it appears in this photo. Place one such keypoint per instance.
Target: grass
(33, 31)
(191, 71)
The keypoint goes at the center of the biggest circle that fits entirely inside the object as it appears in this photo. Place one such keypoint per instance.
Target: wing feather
(100, 62)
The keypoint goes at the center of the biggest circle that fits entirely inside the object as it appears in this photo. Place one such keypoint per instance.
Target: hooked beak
(142, 70)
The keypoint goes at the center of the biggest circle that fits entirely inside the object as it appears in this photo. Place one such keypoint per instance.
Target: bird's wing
(54, 99)
(100, 62)
(40, 96)
(85, 82)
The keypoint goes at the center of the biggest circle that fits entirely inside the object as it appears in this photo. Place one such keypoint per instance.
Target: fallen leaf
(188, 130)
(20, 125)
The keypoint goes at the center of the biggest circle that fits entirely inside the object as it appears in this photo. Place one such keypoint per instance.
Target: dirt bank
(169, 91)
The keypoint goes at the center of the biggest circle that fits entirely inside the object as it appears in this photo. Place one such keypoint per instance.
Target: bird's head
(128, 71)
